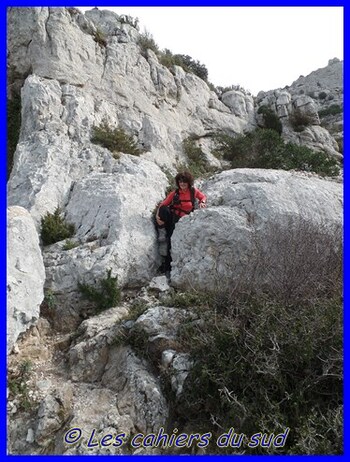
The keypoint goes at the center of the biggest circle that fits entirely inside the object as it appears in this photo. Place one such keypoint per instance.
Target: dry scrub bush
(270, 357)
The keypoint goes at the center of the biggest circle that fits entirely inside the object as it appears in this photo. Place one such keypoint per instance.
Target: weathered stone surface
(96, 414)
(138, 392)
(89, 356)
(243, 203)
(112, 214)
(53, 411)
(25, 274)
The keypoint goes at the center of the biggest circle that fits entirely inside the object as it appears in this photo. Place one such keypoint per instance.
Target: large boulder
(219, 243)
(112, 214)
(25, 274)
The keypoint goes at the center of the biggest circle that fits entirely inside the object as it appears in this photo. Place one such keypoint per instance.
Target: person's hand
(159, 221)
(202, 205)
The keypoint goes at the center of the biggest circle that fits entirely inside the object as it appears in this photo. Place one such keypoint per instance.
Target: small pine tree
(54, 228)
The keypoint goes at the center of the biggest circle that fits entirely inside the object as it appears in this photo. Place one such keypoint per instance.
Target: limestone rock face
(112, 213)
(25, 274)
(89, 356)
(319, 95)
(243, 205)
(115, 80)
(240, 103)
(138, 392)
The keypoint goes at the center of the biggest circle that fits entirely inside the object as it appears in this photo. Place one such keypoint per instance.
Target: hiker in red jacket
(177, 204)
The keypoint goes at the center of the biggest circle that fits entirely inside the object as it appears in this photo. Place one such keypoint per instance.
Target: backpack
(176, 200)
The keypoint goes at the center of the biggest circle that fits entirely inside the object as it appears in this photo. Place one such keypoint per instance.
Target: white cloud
(259, 48)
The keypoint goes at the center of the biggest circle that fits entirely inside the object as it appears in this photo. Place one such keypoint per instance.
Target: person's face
(183, 185)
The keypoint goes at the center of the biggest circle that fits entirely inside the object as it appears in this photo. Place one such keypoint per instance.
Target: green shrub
(49, 299)
(300, 120)
(146, 42)
(331, 110)
(271, 358)
(322, 95)
(271, 119)
(100, 38)
(264, 148)
(169, 59)
(191, 65)
(197, 163)
(114, 139)
(261, 367)
(13, 129)
(73, 11)
(18, 385)
(106, 296)
(54, 228)
(69, 245)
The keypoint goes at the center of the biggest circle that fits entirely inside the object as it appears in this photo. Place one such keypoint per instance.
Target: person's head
(184, 178)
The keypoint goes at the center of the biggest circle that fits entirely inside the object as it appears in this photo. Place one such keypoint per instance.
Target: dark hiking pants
(170, 219)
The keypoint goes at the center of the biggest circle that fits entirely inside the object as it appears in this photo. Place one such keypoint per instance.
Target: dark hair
(184, 176)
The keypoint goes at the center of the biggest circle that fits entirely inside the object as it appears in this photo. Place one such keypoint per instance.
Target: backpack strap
(176, 200)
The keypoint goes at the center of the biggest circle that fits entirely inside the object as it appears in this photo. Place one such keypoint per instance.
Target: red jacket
(185, 201)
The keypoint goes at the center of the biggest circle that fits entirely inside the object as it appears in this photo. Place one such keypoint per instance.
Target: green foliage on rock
(197, 163)
(100, 38)
(13, 129)
(264, 148)
(331, 110)
(114, 139)
(260, 366)
(169, 59)
(271, 119)
(19, 390)
(107, 295)
(300, 120)
(54, 228)
(147, 42)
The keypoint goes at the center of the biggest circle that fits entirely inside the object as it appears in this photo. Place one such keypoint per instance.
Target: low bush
(169, 59)
(197, 163)
(264, 367)
(114, 139)
(267, 357)
(18, 378)
(13, 129)
(299, 120)
(264, 148)
(54, 228)
(331, 110)
(100, 38)
(268, 360)
(146, 42)
(69, 245)
(107, 295)
(191, 65)
(271, 119)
